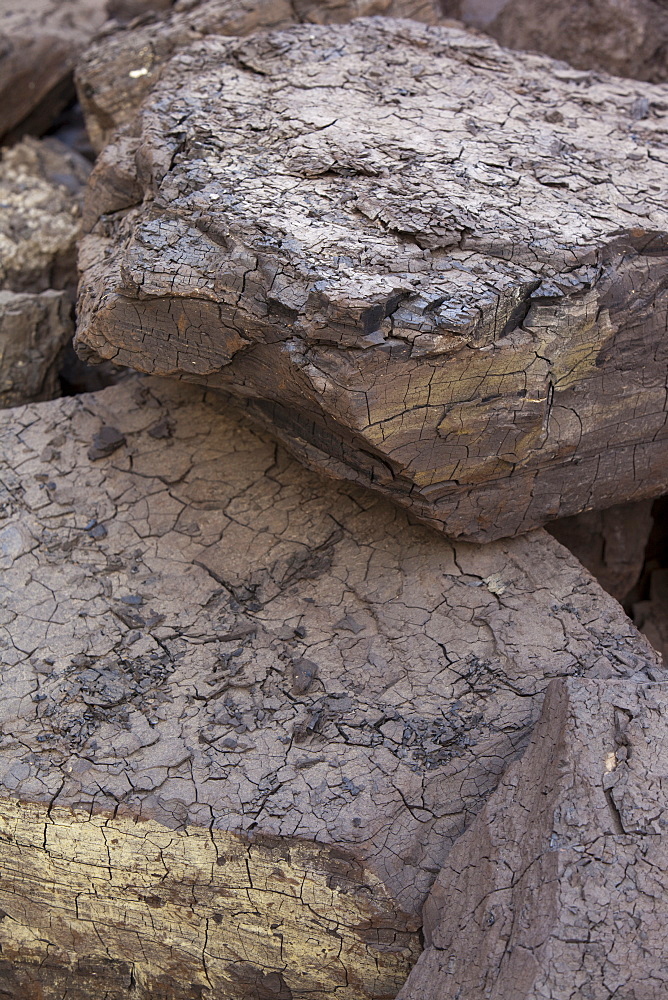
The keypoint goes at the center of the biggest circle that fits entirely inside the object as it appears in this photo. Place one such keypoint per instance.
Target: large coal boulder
(429, 265)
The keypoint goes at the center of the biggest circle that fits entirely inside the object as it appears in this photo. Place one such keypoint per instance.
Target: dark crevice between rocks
(647, 602)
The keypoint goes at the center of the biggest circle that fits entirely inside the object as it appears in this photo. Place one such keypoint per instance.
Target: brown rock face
(34, 329)
(117, 72)
(246, 711)
(559, 887)
(40, 219)
(428, 265)
(628, 38)
(609, 543)
(40, 41)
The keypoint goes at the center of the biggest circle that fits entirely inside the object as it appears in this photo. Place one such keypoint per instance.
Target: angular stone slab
(118, 70)
(246, 711)
(559, 888)
(427, 264)
(629, 38)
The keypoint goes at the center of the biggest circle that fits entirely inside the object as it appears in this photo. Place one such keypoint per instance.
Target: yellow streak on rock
(195, 906)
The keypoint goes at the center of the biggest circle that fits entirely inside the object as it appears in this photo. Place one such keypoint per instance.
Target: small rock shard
(105, 443)
(304, 672)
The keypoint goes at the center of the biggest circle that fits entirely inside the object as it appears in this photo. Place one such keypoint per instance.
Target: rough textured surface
(40, 219)
(123, 66)
(429, 265)
(34, 330)
(40, 41)
(246, 711)
(610, 543)
(41, 182)
(629, 38)
(559, 888)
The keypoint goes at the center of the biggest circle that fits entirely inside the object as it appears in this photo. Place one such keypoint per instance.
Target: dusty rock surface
(429, 265)
(245, 710)
(628, 38)
(559, 888)
(117, 72)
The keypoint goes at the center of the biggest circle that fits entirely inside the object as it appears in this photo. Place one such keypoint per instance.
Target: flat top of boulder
(122, 66)
(384, 179)
(182, 601)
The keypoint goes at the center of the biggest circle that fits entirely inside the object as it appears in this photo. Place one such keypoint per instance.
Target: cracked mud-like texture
(558, 890)
(429, 265)
(246, 710)
(123, 65)
(628, 38)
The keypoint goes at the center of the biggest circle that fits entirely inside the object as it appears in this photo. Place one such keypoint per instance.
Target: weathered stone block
(629, 38)
(427, 264)
(245, 711)
(118, 70)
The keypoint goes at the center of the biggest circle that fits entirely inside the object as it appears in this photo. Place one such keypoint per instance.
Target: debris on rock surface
(246, 711)
(429, 265)
(560, 885)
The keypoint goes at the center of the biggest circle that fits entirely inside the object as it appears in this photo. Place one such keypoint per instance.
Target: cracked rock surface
(40, 218)
(629, 38)
(429, 265)
(123, 65)
(558, 889)
(245, 710)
